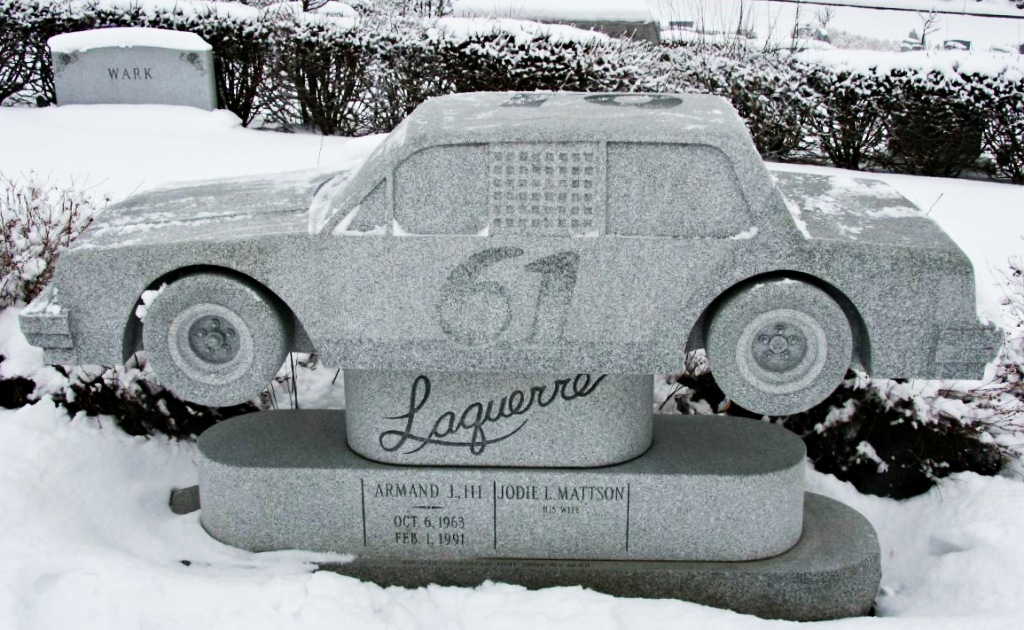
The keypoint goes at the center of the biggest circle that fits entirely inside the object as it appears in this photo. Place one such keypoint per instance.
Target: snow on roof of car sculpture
(524, 233)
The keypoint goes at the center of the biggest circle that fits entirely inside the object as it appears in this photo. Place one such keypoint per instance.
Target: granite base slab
(833, 572)
(709, 488)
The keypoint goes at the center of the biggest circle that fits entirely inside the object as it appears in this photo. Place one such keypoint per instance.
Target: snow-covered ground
(87, 539)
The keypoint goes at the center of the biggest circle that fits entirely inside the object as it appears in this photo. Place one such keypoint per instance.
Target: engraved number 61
(475, 312)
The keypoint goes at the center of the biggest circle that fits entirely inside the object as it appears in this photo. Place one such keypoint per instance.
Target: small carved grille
(544, 189)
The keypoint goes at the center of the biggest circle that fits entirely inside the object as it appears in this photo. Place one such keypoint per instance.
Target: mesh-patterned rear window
(546, 189)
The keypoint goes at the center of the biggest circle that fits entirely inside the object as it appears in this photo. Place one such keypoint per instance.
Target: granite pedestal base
(713, 513)
(833, 572)
(709, 488)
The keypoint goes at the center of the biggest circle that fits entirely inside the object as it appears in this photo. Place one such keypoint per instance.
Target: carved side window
(442, 190)
(673, 190)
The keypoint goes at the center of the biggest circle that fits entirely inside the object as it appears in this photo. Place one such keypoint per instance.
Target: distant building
(648, 31)
(616, 18)
(956, 44)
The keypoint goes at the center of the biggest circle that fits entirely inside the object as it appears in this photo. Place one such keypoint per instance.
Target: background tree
(929, 25)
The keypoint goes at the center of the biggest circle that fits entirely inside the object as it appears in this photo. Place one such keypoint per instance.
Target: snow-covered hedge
(924, 117)
(318, 71)
(341, 75)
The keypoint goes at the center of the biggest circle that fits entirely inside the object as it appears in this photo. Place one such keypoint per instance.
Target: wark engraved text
(130, 74)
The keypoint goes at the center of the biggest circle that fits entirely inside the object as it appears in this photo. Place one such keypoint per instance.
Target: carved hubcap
(779, 347)
(213, 340)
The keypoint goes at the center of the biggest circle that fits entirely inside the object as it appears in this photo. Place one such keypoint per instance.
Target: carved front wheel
(779, 347)
(215, 340)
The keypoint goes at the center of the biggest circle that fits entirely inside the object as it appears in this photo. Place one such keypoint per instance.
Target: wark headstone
(133, 66)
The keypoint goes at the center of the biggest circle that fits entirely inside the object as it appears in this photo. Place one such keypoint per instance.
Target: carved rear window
(546, 189)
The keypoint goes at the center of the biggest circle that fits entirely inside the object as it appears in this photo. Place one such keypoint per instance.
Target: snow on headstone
(133, 66)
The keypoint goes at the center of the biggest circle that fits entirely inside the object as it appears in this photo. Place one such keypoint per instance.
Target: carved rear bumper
(45, 324)
(963, 351)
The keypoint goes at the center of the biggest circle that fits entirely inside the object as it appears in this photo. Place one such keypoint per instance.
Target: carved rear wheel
(779, 347)
(214, 339)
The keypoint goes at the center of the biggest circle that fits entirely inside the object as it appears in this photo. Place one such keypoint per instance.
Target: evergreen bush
(882, 436)
(848, 121)
(933, 127)
(1004, 131)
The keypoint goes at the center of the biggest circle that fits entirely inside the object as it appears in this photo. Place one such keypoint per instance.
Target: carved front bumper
(45, 324)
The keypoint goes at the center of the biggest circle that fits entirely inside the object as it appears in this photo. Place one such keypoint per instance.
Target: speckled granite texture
(833, 572)
(710, 488)
(481, 419)
(545, 233)
(780, 346)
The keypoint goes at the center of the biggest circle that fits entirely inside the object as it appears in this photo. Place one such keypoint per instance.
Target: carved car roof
(540, 117)
(561, 117)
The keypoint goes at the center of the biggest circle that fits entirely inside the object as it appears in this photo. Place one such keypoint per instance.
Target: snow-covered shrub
(24, 24)
(327, 71)
(887, 438)
(1004, 133)
(16, 391)
(933, 125)
(408, 69)
(138, 405)
(895, 439)
(38, 219)
(844, 39)
(768, 90)
(1003, 398)
(848, 120)
(243, 54)
(16, 58)
(504, 62)
(426, 8)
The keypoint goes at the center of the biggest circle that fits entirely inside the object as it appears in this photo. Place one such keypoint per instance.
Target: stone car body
(527, 233)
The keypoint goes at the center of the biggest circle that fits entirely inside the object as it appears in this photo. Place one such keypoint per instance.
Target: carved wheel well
(132, 341)
(861, 338)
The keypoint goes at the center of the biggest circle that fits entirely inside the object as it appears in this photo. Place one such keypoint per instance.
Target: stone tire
(779, 347)
(215, 340)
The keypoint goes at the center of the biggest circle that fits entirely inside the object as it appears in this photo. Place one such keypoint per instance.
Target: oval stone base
(480, 419)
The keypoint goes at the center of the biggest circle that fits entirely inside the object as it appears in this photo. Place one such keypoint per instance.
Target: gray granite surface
(779, 346)
(213, 338)
(481, 419)
(710, 488)
(539, 233)
(833, 572)
(184, 500)
(136, 74)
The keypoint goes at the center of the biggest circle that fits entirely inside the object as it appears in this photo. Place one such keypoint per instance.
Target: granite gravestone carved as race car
(527, 233)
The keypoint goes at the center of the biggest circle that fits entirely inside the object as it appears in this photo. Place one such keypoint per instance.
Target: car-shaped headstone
(526, 233)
